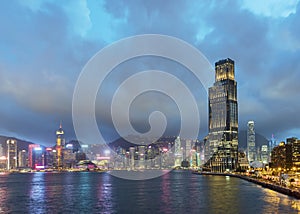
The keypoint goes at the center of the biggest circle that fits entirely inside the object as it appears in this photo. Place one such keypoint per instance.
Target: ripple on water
(176, 192)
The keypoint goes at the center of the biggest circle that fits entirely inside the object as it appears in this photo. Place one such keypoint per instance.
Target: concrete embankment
(284, 190)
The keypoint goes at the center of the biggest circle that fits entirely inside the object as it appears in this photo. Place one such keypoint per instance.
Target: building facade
(59, 146)
(295, 151)
(251, 149)
(287, 155)
(264, 154)
(23, 158)
(12, 159)
(222, 142)
(278, 156)
(178, 152)
(31, 155)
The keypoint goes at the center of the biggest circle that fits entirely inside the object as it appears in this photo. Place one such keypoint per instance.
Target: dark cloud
(44, 46)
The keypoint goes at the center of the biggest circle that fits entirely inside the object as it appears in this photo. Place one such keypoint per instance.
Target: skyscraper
(59, 145)
(31, 156)
(272, 143)
(223, 118)
(11, 154)
(132, 154)
(22, 158)
(264, 154)
(178, 152)
(251, 142)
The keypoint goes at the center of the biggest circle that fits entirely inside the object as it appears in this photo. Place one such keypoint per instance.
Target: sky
(44, 45)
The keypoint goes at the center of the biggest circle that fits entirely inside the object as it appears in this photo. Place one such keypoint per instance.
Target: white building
(178, 152)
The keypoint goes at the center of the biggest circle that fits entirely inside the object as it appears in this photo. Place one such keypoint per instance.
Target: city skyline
(39, 67)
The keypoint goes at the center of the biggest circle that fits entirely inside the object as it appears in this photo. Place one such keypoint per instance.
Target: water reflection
(176, 192)
(3, 193)
(104, 200)
(68, 188)
(166, 191)
(37, 193)
(275, 201)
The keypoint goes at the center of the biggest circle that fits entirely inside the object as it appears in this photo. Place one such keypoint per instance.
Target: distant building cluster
(258, 156)
(286, 155)
(38, 157)
(167, 152)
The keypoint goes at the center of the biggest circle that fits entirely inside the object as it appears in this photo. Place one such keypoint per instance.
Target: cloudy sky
(44, 46)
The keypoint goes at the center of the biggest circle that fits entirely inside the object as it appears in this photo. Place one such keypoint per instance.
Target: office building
(22, 159)
(50, 157)
(251, 149)
(178, 152)
(222, 142)
(272, 143)
(69, 157)
(3, 161)
(264, 154)
(38, 158)
(11, 154)
(59, 146)
(31, 156)
(141, 157)
(296, 153)
(278, 156)
(286, 155)
(132, 157)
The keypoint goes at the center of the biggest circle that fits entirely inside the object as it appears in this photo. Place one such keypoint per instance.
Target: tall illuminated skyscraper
(264, 154)
(272, 143)
(251, 142)
(31, 159)
(178, 152)
(132, 153)
(22, 158)
(223, 118)
(11, 154)
(59, 145)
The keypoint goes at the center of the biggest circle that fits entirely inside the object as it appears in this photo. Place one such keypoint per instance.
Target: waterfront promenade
(264, 183)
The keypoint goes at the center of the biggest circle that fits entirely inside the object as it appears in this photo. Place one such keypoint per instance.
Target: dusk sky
(44, 45)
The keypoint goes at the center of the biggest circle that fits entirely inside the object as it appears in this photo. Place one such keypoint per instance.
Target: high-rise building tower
(178, 152)
(251, 142)
(31, 155)
(223, 119)
(272, 143)
(22, 158)
(11, 154)
(59, 145)
(264, 154)
(132, 153)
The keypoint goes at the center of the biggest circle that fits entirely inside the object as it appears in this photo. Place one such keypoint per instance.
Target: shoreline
(271, 186)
